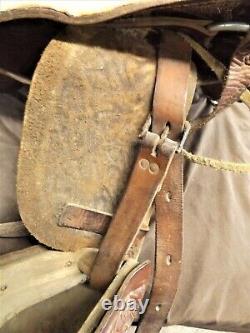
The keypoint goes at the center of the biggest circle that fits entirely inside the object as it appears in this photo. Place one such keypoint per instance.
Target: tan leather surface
(85, 128)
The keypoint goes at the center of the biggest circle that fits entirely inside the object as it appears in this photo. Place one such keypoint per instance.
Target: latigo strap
(173, 79)
(156, 176)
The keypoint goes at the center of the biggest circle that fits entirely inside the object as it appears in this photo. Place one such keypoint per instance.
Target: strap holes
(168, 196)
(158, 307)
(168, 260)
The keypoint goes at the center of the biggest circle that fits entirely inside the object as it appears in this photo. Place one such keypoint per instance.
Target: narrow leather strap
(175, 70)
(168, 250)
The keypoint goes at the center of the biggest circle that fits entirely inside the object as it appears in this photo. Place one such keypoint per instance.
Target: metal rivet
(153, 168)
(144, 164)
(158, 307)
(168, 196)
(3, 287)
(169, 260)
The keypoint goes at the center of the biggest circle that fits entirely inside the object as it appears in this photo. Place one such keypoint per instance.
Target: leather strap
(168, 250)
(144, 182)
(150, 171)
(176, 66)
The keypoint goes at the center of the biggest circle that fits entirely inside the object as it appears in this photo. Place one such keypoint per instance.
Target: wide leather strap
(174, 71)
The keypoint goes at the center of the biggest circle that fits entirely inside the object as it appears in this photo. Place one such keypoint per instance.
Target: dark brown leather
(174, 70)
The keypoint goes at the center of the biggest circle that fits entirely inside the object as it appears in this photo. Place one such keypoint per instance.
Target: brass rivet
(153, 168)
(168, 196)
(158, 307)
(144, 164)
(169, 260)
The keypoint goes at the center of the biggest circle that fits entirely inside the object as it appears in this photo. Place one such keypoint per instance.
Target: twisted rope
(216, 164)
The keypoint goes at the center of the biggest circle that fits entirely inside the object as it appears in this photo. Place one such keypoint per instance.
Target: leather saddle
(101, 163)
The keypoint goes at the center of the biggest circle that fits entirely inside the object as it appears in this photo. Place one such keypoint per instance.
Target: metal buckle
(151, 139)
(168, 143)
